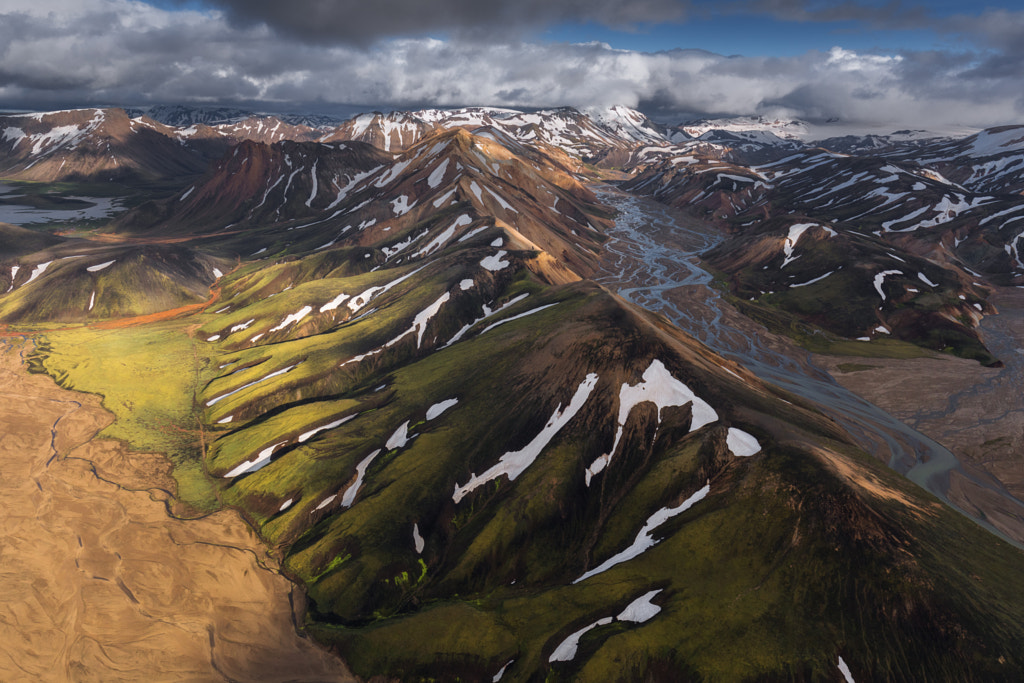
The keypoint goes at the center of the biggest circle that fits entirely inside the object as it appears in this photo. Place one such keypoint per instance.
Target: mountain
(906, 222)
(258, 183)
(752, 126)
(596, 136)
(481, 464)
(92, 145)
(394, 131)
(267, 129)
(75, 280)
(990, 162)
(180, 116)
(403, 200)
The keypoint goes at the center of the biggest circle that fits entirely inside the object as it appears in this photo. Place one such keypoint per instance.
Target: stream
(653, 261)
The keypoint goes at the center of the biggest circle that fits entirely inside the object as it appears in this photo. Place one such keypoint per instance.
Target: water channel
(653, 261)
(75, 208)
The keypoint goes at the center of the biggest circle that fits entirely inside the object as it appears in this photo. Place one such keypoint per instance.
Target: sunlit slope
(286, 200)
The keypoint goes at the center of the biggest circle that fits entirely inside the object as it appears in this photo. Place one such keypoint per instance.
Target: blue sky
(750, 36)
(762, 33)
(866, 64)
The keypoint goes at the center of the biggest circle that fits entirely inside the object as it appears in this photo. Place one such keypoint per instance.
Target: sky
(860, 64)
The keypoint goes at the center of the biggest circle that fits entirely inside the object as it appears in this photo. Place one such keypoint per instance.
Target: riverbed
(652, 260)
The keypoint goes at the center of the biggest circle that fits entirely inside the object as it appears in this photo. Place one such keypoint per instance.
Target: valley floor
(98, 582)
(976, 412)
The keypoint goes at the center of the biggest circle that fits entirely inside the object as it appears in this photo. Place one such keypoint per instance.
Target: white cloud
(120, 51)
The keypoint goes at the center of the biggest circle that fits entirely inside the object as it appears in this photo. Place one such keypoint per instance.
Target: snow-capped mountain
(101, 144)
(785, 129)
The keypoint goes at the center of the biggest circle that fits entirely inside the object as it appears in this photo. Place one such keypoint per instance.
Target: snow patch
(334, 303)
(258, 463)
(241, 326)
(811, 282)
(293, 318)
(437, 175)
(495, 263)
(443, 198)
(276, 373)
(435, 410)
(350, 493)
(880, 280)
(795, 231)
(306, 436)
(566, 650)
(659, 387)
(641, 609)
(369, 294)
(417, 540)
(741, 444)
(400, 438)
(442, 238)
(473, 233)
(401, 205)
(644, 540)
(845, 671)
(37, 271)
(514, 463)
(518, 316)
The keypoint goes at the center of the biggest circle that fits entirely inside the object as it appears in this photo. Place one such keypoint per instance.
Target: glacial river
(653, 262)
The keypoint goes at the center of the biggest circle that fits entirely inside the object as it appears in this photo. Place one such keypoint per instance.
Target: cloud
(892, 15)
(361, 23)
(56, 53)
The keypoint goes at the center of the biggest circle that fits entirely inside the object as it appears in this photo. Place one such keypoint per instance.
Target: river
(653, 261)
(79, 209)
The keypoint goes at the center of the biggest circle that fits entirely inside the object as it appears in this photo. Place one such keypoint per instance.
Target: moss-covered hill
(481, 466)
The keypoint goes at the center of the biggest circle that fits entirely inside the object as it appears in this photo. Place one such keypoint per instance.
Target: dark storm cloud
(892, 15)
(360, 22)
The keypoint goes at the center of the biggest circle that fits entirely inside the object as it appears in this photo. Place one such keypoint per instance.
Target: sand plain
(99, 583)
